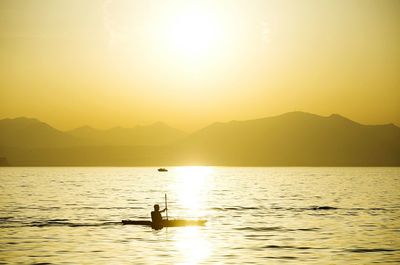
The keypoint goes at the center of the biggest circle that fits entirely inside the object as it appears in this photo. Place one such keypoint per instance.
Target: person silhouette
(156, 218)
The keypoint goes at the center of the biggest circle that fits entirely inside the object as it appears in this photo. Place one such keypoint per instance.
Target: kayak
(167, 223)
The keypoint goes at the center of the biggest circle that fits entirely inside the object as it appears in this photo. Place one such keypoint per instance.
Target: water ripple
(367, 250)
(289, 247)
(275, 228)
(53, 222)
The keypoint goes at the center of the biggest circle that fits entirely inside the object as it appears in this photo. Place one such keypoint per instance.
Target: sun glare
(193, 32)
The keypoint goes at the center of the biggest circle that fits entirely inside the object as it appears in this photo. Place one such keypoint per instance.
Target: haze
(190, 63)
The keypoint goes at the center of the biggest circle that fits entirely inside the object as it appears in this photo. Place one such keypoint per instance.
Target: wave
(329, 208)
(250, 228)
(78, 207)
(319, 208)
(275, 228)
(367, 250)
(10, 223)
(310, 208)
(289, 247)
(235, 208)
(5, 218)
(109, 208)
(281, 257)
(75, 224)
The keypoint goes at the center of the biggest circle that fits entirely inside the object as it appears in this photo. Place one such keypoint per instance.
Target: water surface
(255, 215)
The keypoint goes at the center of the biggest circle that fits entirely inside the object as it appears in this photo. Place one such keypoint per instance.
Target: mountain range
(32, 133)
(290, 139)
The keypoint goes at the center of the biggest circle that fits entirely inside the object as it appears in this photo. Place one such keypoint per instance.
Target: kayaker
(156, 217)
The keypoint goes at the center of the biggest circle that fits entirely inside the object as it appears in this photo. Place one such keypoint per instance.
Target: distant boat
(161, 169)
(167, 223)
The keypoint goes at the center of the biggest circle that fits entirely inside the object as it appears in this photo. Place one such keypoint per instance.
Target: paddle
(166, 206)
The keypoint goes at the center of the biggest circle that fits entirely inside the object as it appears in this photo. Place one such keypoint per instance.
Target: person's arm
(163, 210)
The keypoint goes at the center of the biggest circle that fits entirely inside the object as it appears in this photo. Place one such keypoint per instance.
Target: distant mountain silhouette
(4, 162)
(31, 133)
(295, 138)
(291, 139)
(154, 134)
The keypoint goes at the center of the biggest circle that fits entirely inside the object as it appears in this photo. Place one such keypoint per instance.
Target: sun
(193, 32)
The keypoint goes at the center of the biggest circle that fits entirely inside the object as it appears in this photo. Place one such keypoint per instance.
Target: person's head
(156, 207)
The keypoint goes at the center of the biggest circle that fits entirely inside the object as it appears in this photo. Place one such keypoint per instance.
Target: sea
(255, 215)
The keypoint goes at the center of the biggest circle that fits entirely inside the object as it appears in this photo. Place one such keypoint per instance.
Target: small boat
(167, 223)
(161, 169)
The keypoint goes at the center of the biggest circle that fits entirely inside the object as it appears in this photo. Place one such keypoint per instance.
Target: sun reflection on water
(191, 186)
(190, 190)
(192, 245)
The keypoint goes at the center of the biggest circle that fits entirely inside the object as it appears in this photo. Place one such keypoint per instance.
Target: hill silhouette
(295, 138)
(152, 135)
(291, 139)
(31, 133)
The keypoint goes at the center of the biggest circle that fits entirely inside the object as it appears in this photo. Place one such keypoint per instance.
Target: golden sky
(190, 63)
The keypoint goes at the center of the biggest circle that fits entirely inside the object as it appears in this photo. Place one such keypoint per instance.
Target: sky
(190, 63)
